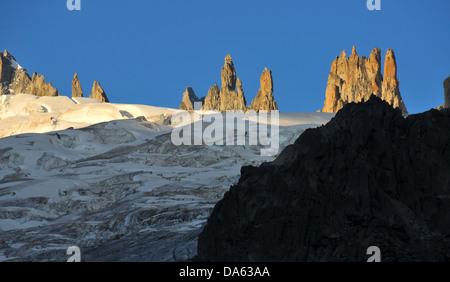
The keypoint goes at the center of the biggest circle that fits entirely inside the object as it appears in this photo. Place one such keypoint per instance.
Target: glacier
(108, 179)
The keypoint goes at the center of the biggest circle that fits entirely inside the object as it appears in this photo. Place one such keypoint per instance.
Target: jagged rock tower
(39, 87)
(77, 91)
(264, 100)
(189, 98)
(230, 99)
(98, 93)
(356, 78)
(212, 100)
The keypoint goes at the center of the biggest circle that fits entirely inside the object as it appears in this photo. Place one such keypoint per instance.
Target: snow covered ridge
(25, 113)
(115, 185)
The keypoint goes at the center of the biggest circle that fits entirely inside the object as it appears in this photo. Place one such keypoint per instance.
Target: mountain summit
(355, 79)
(14, 79)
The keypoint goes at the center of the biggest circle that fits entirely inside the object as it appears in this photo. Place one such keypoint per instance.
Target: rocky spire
(98, 93)
(230, 100)
(230, 97)
(447, 92)
(264, 100)
(228, 74)
(189, 98)
(39, 87)
(77, 91)
(240, 96)
(356, 78)
(390, 87)
(212, 100)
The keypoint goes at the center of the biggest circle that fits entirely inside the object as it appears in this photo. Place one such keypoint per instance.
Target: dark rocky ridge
(367, 178)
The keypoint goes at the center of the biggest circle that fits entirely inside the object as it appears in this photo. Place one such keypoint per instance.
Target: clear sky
(149, 51)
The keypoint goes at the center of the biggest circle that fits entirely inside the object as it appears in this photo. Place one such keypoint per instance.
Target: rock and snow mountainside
(101, 177)
(14, 79)
(369, 177)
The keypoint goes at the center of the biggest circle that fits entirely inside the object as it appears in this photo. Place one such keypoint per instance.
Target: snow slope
(24, 113)
(119, 189)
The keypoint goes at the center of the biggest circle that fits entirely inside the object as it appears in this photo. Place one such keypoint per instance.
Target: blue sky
(149, 51)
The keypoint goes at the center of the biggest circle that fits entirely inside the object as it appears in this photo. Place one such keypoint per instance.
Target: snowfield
(26, 113)
(107, 178)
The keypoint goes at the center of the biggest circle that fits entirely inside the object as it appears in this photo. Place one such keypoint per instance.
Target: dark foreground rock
(367, 178)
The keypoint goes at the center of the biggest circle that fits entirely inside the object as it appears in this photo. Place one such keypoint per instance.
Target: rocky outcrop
(228, 74)
(77, 91)
(13, 78)
(242, 102)
(230, 99)
(369, 177)
(189, 98)
(98, 93)
(6, 70)
(447, 92)
(40, 87)
(212, 99)
(356, 78)
(20, 82)
(264, 100)
(390, 87)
